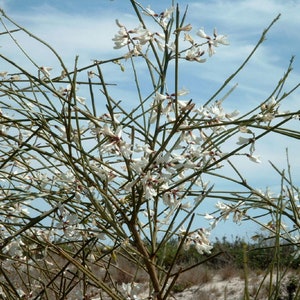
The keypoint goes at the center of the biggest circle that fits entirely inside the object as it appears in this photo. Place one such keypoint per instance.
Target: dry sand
(233, 289)
(220, 289)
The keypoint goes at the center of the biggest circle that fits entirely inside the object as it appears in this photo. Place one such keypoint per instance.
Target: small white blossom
(198, 238)
(80, 100)
(159, 97)
(202, 34)
(213, 41)
(15, 77)
(136, 51)
(221, 39)
(244, 129)
(253, 158)
(243, 141)
(208, 217)
(143, 35)
(91, 74)
(150, 11)
(46, 71)
(121, 39)
(195, 54)
(270, 105)
(188, 38)
(3, 73)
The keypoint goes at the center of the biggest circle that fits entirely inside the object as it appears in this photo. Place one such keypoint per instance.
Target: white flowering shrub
(83, 184)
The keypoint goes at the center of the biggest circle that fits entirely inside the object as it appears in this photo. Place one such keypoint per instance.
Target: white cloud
(89, 36)
(244, 14)
(71, 35)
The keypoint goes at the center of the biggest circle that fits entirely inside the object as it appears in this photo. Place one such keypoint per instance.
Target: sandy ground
(218, 289)
(231, 289)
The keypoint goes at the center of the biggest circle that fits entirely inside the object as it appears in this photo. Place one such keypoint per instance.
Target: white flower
(254, 158)
(121, 39)
(163, 17)
(269, 105)
(106, 130)
(136, 51)
(238, 216)
(194, 54)
(159, 97)
(3, 73)
(168, 12)
(143, 148)
(203, 248)
(104, 173)
(125, 149)
(187, 27)
(182, 231)
(221, 39)
(21, 293)
(213, 41)
(150, 12)
(211, 49)
(208, 217)
(200, 239)
(266, 117)
(143, 35)
(15, 77)
(202, 34)
(183, 92)
(80, 100)
(222, 206)
(46, 71)
(244, 129)
(217, 110)
(188, 38)
(115, 143)
(149, 184)
(91, 74)
(243, 141)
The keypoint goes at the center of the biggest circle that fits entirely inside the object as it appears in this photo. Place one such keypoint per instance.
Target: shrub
(82, 187)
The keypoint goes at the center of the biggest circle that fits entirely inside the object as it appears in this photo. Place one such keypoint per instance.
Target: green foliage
(261, 254)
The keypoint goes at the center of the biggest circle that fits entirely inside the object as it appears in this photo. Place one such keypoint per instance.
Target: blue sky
(86, 28)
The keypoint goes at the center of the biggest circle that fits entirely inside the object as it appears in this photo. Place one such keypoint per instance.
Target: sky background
(86, 28)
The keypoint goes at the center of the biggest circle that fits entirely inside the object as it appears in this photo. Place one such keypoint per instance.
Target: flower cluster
(269, 110)
(248, 141)
(136, 38)
(225, 210)
(65, 92)
(162, 18)
(214, 41)
(199, 238)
